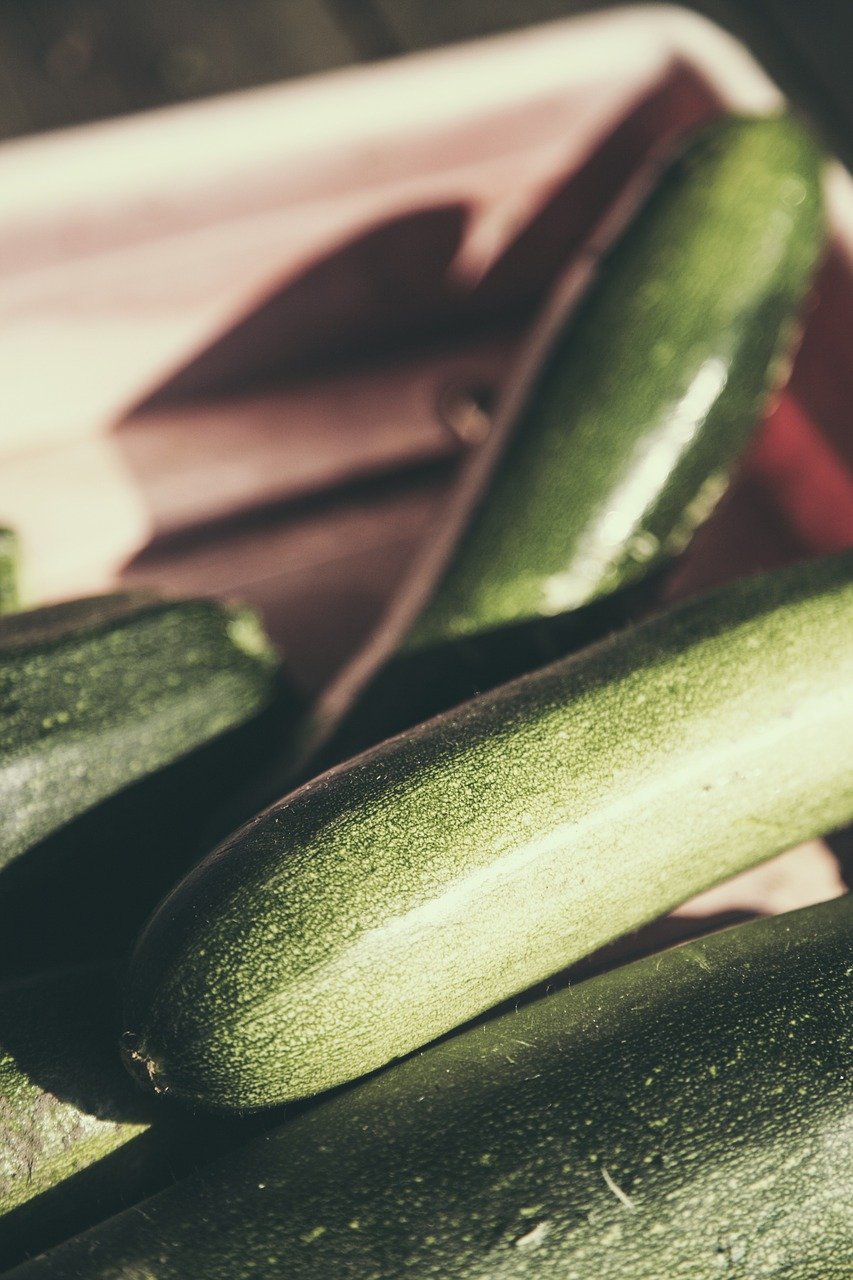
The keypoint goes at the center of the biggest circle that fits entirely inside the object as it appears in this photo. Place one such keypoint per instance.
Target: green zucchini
(395, 897)
(646, 399)
(687, 1116)
(621, 433)
(101, 692)
(77, 1140)
(8, 571)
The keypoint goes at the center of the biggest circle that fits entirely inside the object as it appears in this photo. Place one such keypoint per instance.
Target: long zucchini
(101, 692)
(688, 1116)
(628, 432)
(649, 395)
(398, 896)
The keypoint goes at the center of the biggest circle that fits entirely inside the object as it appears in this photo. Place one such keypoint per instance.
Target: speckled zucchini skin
(419, 683)
(398, 896)
(647, 398)
(8, 571)
(98, 693)
(686, 1117)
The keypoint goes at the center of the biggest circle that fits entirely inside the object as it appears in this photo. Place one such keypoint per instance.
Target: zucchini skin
(648, 396)
(687, 1116)
(398, 896)
(101, 692)
(418, 684)
(8, 571)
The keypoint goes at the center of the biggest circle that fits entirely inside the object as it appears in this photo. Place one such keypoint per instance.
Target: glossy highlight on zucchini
(687, 1116)
(100, 692)
(398, 896)
(648, 395)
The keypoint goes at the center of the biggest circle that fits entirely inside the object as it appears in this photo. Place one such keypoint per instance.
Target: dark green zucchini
(686, 1117)
(8, 571)
(77, 1140)
(101, 692)
(647, 398)
(621, 440)
(397, 896)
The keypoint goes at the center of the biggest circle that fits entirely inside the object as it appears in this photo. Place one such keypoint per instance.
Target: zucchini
(101, 692)
(620, 434)
(688, 1116)
(647, 398)
(8, 571)
(395, 897)
(77, 1140)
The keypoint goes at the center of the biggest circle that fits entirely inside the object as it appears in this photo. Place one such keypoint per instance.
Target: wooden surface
(66, 61)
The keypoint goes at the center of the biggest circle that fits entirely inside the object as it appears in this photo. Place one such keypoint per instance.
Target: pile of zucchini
(569, 764)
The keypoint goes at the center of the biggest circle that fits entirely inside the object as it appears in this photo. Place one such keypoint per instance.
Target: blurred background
(69, 61)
